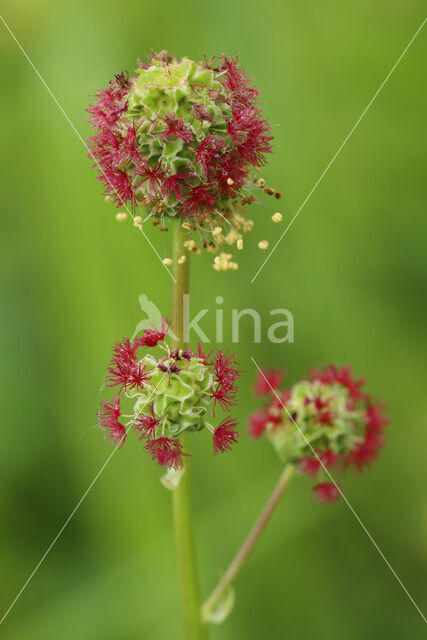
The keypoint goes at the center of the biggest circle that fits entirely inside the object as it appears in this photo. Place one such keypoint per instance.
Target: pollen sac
(173, 392)
(182, 138)
(320, 422)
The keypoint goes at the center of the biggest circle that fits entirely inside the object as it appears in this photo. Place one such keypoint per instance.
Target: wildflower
(225, 435)
(151, 337)
(146, 423)
(108, 421)
(181, 139)
(268, 381)
(167, 451)
(124, 371)
(171, 395)
(326, 492)
(258, 422)
(321, 422)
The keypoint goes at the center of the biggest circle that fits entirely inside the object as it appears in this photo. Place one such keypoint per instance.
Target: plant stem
(195, 628)
(244, 551)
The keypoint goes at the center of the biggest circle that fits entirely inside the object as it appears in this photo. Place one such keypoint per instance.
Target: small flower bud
(240, 244)
(121, 216)
(182, 259)
(263, 244)
(168, 262)
(277, 217)
(277, 195)
(269, 192)
(137, 221)
(217, 231)
(261, 182)
(230, 181)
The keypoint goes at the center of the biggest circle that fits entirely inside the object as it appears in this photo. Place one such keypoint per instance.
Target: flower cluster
(320, 422)
(171, 394)
(183, 139)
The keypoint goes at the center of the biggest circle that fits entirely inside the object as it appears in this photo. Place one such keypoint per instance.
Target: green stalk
(244, 551)
(195, 628)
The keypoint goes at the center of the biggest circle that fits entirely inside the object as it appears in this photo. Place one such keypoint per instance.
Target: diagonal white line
(343, 497)
(334, 157)
(58, 535)
(79, 136)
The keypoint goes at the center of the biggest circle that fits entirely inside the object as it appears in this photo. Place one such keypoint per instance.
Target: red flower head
(258, 422)
(171, 394)
(267, 381)
(124, 370)
(147, 423)
(151, 337)
(326, 492)
(328, 411)
(108, 421)
(225, 435)
(167, 451)
(183, 139)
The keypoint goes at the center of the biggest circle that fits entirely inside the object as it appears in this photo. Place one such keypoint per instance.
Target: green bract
(181, 399)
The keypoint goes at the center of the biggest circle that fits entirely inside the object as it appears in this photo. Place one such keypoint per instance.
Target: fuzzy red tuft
(257, 423)
(146, 424)
(225, 435)
(326, 492)
(108, 420)
(167, 451)
(267, 381)
(151, 337)
(124, 370)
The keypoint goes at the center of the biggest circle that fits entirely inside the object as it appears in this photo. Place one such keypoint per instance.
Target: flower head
(225, 435)
(321, 422)
(124, 370)
(268, 381)
(183, 139)
(108, 419)
(172, 394)
(326, 492)
(167, 451)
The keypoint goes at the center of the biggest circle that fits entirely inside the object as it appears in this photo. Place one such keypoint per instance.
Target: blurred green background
(351, 269)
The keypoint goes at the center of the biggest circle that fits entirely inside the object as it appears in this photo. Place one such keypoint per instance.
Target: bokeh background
(351, 269)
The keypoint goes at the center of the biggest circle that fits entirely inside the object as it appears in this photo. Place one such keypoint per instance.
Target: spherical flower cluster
(321, 422)
(183, 139)
(171, 395)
